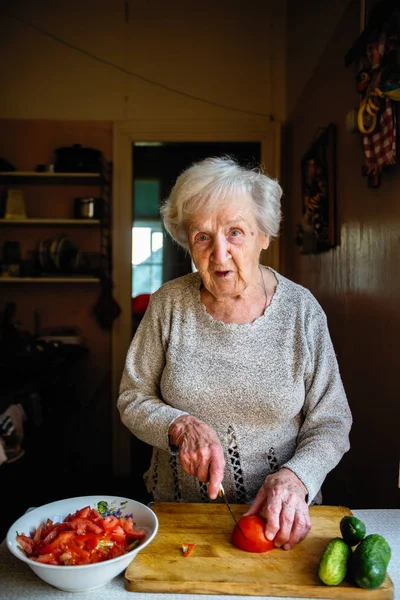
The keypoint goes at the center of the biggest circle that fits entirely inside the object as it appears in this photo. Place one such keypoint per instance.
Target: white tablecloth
(18, 582)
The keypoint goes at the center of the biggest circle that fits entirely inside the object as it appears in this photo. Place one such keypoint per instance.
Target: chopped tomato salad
(83, 538)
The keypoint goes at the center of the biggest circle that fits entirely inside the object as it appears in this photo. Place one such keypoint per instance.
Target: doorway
(264, 132)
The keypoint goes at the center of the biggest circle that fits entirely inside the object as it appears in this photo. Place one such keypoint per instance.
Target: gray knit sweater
(271, 390)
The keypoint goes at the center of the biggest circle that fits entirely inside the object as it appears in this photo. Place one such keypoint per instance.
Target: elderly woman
(232, 376)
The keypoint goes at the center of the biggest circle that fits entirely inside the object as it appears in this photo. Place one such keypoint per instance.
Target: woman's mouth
(222, 274)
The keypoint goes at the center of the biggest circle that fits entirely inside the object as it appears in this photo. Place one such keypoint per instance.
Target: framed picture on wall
(317, 229)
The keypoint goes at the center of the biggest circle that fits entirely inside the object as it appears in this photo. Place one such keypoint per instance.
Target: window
(147, 257)
(147, 238)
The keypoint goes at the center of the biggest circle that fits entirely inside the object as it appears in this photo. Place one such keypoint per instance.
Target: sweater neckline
(269, 310)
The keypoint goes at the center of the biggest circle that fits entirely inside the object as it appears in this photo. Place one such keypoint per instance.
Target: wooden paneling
(357, 283)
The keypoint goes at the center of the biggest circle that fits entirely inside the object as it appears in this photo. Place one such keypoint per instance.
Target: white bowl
(79, 578)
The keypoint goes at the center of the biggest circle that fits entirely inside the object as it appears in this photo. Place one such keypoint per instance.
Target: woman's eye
(236, 232)
(201, 237)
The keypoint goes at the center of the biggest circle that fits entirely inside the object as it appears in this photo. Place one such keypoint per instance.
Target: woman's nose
(220, 253)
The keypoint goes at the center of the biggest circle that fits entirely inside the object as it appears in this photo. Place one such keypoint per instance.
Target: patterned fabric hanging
(380, 146)
(378, 82)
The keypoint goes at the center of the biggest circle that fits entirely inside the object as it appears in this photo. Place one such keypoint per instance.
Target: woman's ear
(264, 241)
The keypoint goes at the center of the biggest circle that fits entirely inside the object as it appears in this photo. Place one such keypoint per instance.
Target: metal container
(88, 208)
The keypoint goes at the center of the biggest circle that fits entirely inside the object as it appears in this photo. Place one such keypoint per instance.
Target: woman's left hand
(281, 501)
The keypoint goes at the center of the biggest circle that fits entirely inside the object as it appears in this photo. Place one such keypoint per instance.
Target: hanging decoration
(317, 229)
(378, 83)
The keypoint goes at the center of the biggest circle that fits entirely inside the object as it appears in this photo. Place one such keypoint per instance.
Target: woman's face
(225, 246)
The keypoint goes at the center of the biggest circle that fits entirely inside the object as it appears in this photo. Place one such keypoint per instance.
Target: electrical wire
(134, 74)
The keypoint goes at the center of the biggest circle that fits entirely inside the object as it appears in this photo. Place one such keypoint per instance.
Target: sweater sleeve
(324, 435)
(140, 404)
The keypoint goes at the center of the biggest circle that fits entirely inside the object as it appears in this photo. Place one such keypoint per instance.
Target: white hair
(208, 183)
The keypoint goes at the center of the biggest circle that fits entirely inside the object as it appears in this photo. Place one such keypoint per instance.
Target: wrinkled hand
(200, 451)
(281, 501)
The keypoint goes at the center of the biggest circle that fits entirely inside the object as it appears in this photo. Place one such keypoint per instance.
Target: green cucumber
(352, 529)
(332, 567)
(369, 561)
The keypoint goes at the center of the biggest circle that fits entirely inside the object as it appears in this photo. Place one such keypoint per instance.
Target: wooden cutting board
(217, 567)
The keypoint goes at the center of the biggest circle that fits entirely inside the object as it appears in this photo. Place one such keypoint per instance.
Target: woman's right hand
(200, 451)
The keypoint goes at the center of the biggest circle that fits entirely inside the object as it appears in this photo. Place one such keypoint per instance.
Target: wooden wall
(226, 52)
(357, 283)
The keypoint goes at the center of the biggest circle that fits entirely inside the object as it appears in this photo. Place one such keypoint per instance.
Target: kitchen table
(18, 582)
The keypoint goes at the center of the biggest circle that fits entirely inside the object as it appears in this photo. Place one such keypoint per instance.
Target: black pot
(77, 159)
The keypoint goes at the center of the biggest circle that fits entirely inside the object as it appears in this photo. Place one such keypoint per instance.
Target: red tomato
(50, 535)
(38, 534)
(88, 541)
(26, 543)
(116, 550)
(84, 525)
(130, 530)
(59, 542)
(187, 549)
(47, 559)
(110, 522)
(95, 517)
(253, 528)
(118, 535)
(81, 556)
(83, 513)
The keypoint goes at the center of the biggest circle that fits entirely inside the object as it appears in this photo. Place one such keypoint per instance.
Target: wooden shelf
(48, 175)
(45, 178)
(40, 221)
(75, 279)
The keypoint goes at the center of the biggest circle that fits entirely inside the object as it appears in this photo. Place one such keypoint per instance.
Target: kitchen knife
(221, 493)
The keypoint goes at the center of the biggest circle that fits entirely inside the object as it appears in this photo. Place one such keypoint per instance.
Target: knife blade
(221, 493)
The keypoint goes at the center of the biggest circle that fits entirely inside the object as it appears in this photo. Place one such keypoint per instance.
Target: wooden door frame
(125, 134)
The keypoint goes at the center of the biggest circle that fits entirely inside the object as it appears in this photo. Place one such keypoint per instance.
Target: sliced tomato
(59, 542)
(50, 534)
(27, 544)
(84, 525)
(110, 522)
(38, 534)
(118, 535)
(130, 530)
(96, 557)
(187, 549)
(82, 538)
(95, 517)
(94, 514)
(83, 513)
(47, 559)
(88, 541)
(66, 557)
(100, 554)
(80, 553)
(116, 550)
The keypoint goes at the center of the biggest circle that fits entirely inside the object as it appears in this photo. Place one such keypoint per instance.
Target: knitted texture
(271, 389)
